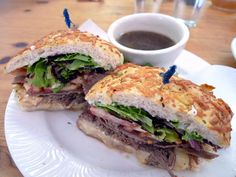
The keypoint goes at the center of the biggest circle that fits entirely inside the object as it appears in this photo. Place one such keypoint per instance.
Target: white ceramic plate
(48, 144)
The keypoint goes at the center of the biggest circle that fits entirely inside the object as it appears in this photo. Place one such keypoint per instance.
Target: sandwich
(172, 125)
(55, 72)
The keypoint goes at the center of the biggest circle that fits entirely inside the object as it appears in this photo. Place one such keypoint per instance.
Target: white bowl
(152, 22)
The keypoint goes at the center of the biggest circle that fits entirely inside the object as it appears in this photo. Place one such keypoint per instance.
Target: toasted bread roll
(68, 41)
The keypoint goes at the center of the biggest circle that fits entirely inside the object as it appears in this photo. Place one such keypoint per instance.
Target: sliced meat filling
(19, 79)
(161, 153)
(193, 147)
(73, 92)
(130, 129)
(66, 98)
(87, 80)
(90, 79)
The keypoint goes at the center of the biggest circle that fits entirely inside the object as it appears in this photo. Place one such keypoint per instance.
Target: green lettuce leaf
(81, 61)
(74, 56)
(52, 81)
(66, 73)
(175, 123)
(187, 135)
(147, 64)
(63, 58)
(192, 136)
(44, 78)
(39, 71)
(142, 118)
(57, 87)
(78, 64)
(49, 78)
(130, 113)
(69, 64)
(30, 68)
(167, 134)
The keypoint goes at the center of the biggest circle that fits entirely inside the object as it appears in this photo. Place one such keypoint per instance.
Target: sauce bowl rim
(178, 44)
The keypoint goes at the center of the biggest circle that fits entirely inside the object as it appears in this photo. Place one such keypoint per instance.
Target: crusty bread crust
(68, 41)
(35, 103)
(183, 160)
(194, 106)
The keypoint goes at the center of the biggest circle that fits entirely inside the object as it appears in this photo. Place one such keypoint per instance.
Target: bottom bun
(183, 160)
(34, 103)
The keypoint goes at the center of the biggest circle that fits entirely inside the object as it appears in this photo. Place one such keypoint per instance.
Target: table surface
(22, 22)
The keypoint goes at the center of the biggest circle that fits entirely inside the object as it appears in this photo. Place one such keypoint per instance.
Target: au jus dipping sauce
(145, 40)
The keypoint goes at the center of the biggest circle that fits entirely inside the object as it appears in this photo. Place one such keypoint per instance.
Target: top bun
(68, 41)
(194, 106)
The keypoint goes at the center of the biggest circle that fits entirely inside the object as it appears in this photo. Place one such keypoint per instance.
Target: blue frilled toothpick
(68, 21)
(67, 18)
(168, 74)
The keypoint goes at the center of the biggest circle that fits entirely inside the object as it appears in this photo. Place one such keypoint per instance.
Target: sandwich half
(56, 71)
(173, 126)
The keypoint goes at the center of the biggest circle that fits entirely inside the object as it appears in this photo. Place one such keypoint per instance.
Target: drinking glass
(188, 11)
(147, 6)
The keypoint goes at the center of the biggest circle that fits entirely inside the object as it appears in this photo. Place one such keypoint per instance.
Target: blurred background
(24, 21)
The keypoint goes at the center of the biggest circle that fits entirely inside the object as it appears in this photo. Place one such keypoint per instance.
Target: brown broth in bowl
(145, 40)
